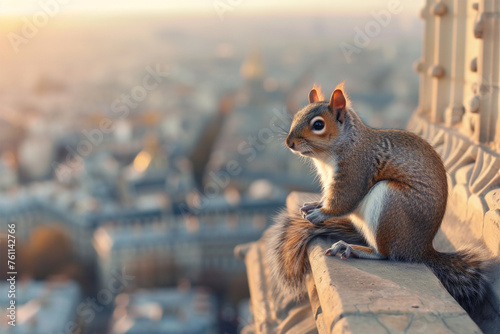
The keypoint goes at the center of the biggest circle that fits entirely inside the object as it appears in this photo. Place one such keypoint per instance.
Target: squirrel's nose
(290, 144)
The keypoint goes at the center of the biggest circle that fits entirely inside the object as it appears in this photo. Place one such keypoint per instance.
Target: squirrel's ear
(315, 94)
(338, 104)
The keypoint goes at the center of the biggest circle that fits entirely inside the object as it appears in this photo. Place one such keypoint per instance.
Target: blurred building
(165, 311)
(42, 307)
(188, 244)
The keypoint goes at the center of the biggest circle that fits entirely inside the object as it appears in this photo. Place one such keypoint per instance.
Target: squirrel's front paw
(307, 207)
(315, 216)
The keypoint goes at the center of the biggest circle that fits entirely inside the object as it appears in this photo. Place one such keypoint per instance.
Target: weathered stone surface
(395, 321)
(272, 311)
(317, 311)
(462, 176)
(492, 231)
(476, 208)
(358, 324)
(493, 199)
(382, 296)
(458, 200)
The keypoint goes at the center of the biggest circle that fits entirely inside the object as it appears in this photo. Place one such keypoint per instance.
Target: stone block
(458, 200)
(476, 208)
(492, 198)
(492, 231)
(463, 174)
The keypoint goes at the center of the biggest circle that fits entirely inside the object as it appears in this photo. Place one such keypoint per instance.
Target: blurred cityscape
(137, 152)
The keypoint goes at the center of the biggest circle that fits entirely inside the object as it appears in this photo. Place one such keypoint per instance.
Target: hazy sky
(210, 7)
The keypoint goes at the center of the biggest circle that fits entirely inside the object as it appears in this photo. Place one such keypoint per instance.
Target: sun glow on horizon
(209, 7)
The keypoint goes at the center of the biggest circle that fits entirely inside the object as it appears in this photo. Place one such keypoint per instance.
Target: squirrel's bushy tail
(463, 274)
(287, 242)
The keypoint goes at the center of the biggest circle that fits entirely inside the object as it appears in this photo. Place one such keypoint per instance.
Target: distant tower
(207, 138)
(252, 70)
(36, 152)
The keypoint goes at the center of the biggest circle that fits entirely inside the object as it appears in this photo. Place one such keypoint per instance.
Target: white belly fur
(366, 216)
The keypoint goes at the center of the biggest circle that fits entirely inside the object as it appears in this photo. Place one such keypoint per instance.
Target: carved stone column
(440, 68)
(455, 110)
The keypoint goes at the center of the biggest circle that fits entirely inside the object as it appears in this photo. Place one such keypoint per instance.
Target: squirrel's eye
(318, 125)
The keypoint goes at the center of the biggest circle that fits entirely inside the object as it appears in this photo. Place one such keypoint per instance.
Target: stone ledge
(359, 296)
(272, 312)
(352, 296)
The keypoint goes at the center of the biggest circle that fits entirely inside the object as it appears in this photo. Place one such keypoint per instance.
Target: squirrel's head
(316, 126)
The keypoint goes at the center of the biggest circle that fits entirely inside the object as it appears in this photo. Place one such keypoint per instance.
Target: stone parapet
(273, 312)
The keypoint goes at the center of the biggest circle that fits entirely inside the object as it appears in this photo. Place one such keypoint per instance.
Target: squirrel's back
(404, 157)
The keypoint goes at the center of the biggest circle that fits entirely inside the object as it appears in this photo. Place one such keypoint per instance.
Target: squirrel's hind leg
(347, 250)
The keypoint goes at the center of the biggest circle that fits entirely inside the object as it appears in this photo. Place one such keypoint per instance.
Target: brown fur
(365, 249)
(413, 207)
(287, 242)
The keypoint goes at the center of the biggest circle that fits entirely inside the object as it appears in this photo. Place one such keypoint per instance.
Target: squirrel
(384, 195)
